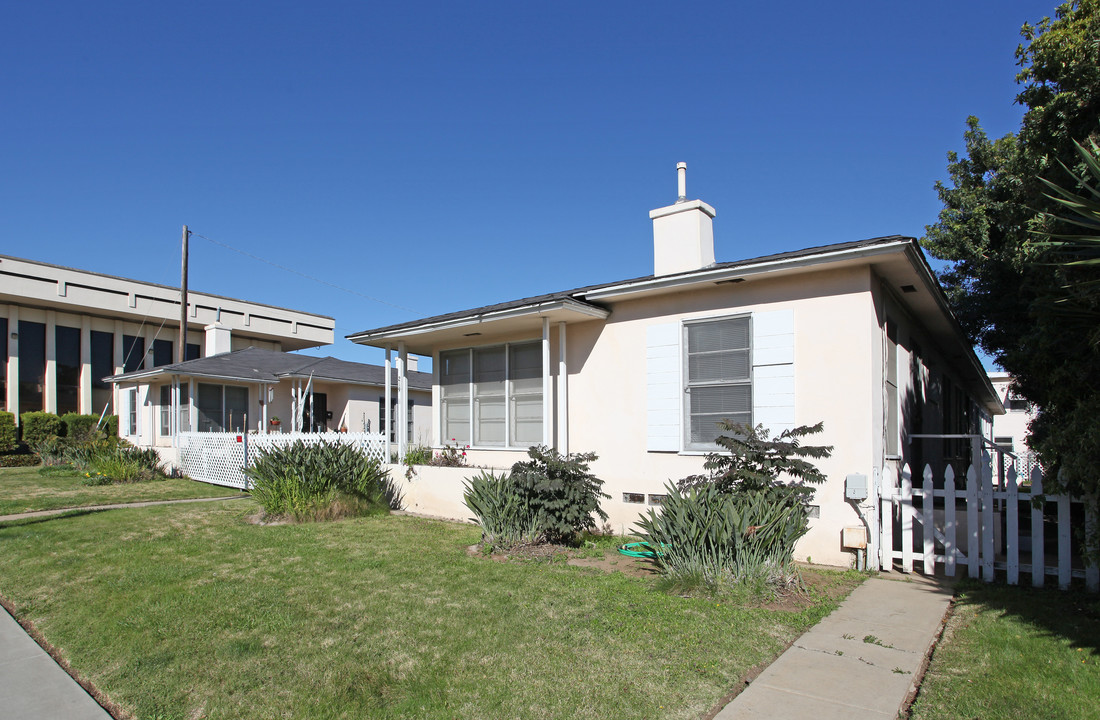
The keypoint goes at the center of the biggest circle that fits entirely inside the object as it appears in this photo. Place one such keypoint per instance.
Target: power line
(307, 277)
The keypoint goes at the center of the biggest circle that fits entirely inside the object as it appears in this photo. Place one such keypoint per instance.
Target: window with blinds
(492, 396)
(718, 378)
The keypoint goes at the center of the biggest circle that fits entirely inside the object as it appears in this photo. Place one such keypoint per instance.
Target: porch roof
(257, 365)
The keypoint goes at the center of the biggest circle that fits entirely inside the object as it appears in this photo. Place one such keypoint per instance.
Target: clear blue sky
(440, 156)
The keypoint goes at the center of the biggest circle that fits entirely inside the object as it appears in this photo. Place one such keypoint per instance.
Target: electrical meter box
(855, 487)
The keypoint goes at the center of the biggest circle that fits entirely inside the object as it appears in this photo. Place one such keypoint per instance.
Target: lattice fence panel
(216, 458)
(373, 445)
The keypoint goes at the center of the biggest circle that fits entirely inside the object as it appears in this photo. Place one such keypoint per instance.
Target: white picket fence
(218, 458)
(966, 527)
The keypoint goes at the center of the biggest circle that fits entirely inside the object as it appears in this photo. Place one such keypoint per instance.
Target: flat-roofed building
(65, 330)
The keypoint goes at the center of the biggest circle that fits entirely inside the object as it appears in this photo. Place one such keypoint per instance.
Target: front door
(320, 413)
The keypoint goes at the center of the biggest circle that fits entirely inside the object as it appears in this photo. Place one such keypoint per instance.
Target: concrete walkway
(860, 662)
(116, 506)
(33, 686)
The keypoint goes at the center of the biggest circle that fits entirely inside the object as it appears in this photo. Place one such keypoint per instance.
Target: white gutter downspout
(388, 405)
(563, 394)
(402, 401)
(547, 390)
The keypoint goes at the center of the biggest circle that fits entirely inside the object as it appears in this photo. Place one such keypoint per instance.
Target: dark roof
(256, 365)
(577, 294)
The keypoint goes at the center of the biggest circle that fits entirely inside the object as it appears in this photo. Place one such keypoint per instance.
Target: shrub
(320, 481)
(560, 490)
(121, 464)
(418, 455)
(709, 537)
(51, 451)
(18, 460)
(9, 440)
(109, 425)
(506, 518)
(450, 456)
(79, 426)
(38, 426)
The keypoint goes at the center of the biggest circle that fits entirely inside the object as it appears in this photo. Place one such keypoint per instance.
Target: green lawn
(25, 489)
(189, 611)
(1015, 652)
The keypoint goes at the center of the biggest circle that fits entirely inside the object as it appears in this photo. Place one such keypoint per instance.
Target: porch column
(547, 388)
(402, 401)
(387, 403)
(13, 361)
(263, 407)
(563, 394)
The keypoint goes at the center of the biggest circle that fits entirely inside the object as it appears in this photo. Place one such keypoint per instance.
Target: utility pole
(182, 354)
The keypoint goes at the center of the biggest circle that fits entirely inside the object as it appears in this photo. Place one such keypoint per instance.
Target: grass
(1015, 652)
(29, 489)
(191, 612)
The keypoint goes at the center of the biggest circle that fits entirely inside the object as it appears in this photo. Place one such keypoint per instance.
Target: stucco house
(857, 334)
(260, 390)
(1010, 429)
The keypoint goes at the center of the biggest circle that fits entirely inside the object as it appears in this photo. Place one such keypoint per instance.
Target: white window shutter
(773, 370)
(663, 387)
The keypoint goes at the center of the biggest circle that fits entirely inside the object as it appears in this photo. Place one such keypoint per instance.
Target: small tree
(754, 463)
(560, 490)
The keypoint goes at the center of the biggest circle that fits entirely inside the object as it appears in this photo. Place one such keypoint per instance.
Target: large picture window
(492, 396)
(67, 379)
(718, 378)
(103, 365)
(221, 408)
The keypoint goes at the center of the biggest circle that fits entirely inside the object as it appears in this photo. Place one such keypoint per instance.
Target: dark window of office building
(32, 365)
(3, 363)
(67, 349)
(163, 352)
(103, 365)
(193, 351)
(133, 353)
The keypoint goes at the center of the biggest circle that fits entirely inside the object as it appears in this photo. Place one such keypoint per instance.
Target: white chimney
(683, 233)
(410, 366)
(219, 339)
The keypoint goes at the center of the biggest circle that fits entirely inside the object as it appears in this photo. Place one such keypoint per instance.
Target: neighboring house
(1010, 429)
(245, 390)
(65, 330)
(857, 335)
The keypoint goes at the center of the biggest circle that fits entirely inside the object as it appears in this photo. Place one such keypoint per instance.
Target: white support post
(49, 386)
(13, 361)
(389, 404)
(263, 408)
(950, 544)
(86, 378)
(1038, 552)
(563, 394)
(906, 519)
(886, 545)
(547, 391)
(1012, 528)
(928, 533)
(873, 556)
(402, 401)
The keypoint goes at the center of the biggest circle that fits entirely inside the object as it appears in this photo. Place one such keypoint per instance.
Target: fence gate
(218, 458)
(940, 524)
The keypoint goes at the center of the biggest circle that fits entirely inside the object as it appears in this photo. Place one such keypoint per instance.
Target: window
(67, 382)
(718, 378)
(32, 365)
(1004, 443)
(492, 396)
(193, 352)
(132, 413)
(3, 363)
(103, 365)
(133, 353)
(222, 407)
(185, 408)
(393, 417)
(165, 410)
(163, 352)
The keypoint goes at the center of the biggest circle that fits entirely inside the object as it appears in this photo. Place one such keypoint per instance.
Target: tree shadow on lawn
(1070, 614)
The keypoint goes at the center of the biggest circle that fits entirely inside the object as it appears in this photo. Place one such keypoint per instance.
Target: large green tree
(1006, 288)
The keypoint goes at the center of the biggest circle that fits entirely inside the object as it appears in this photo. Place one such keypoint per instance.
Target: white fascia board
(535, 310)
(719, 274)
(147, 377)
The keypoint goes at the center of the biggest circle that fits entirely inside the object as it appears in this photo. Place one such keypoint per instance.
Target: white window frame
(132, 412)
(687, 444)
(509, 443)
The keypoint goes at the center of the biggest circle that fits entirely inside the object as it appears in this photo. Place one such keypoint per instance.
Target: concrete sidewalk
(33, 686)
(115, 506)
(862, 661)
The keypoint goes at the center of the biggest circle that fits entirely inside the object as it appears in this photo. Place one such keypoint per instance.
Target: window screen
(489, 393)
(525, 368)
(498, 389)
(454, 381)
(718, 368)
(165, 410)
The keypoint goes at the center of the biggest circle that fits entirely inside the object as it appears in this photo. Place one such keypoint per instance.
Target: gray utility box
(855, 487)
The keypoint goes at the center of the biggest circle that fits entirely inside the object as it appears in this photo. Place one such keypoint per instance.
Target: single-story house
(858, 335)
(256, 390)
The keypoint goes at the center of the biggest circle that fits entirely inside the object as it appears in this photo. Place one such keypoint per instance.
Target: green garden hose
(634, 550)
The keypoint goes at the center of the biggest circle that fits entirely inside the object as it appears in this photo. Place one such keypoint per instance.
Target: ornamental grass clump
(322, 481)
(549, 498)
(736, 527)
